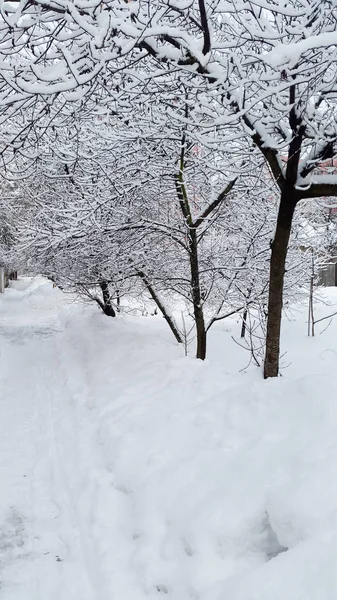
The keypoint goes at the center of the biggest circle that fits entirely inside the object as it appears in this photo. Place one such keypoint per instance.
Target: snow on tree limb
(290, 54)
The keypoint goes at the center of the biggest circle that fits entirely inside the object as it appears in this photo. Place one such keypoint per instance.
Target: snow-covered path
(66, 524)
(42, 543)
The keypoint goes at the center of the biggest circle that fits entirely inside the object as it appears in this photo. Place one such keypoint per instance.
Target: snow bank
(210, 474)
(29, 285)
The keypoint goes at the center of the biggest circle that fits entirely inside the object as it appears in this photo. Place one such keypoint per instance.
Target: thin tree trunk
(309, 312)
(244, 323)
(201, 332)
(169, 320)
(276, 282)
(312, 280)
(106, 305)
(196, 295)
(311, 322)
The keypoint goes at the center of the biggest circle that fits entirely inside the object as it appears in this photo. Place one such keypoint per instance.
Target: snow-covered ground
(130, 472)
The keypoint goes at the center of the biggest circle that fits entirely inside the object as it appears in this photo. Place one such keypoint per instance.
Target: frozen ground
(129, 472)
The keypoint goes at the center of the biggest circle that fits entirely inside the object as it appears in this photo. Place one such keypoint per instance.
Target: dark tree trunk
(244, 323)
(106, 305)
(108, 310)
(276, 281)
(169, 320)
(201, 332)
(196, 295)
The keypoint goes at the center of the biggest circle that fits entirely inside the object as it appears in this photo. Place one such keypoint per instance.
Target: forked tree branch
(214, 204)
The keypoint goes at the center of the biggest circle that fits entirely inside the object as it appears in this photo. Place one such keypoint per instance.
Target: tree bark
(276, 281)
(106, 305)
(196, 295)
(201, 332)
(169, 320)
(311, 320)
(244, 323)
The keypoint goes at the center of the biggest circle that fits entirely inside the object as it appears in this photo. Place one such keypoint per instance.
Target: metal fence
(327, 275)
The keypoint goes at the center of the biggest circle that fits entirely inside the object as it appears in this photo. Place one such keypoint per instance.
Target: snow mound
(210, 476)
(31, 285)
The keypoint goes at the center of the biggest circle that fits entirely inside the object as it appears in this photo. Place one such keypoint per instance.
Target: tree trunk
(311, 320)
(201, 332)
(169, 320)
(106, 305)
(244, 323)
(196, 295)
(276, 281)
